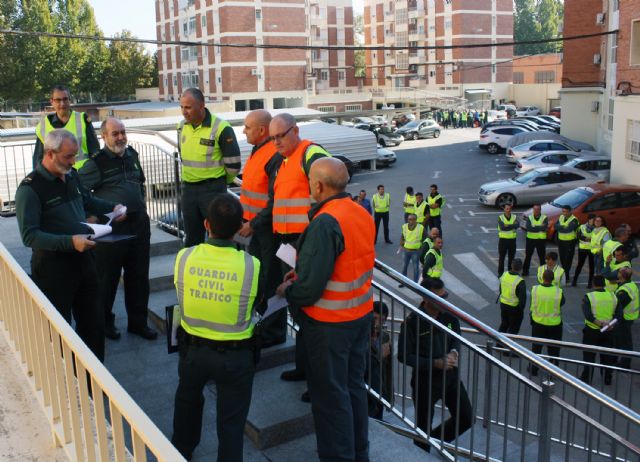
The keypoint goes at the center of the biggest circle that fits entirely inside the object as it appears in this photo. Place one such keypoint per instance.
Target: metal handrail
(56, 361)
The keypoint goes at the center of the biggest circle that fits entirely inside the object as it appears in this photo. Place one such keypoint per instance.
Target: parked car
(535, 187)
(544, 159)
(365, 120)
(556, 112)
(542, 122)
(384, 135)
(527, 111)
(493, 115)
(495, 138)
(550, 118)
(522, 151)
(520, 122)
(419, 129)
(598, 165)
(386, 157)
(617, 203)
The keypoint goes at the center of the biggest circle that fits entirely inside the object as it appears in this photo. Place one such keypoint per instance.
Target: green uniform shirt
(50, 211)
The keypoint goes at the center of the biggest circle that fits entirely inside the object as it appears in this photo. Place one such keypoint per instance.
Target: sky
(138, 16)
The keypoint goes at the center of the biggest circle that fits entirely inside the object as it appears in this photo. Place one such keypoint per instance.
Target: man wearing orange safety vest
(331, 287)
(291, 198)
(258, 176)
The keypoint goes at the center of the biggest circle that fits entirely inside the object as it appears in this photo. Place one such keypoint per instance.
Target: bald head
(285, 133)
(285, 118)
(114, 135)
(328, 176)
(256, 126)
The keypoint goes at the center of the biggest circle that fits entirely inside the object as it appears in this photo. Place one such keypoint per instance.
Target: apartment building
(419, 24)
(249, 77)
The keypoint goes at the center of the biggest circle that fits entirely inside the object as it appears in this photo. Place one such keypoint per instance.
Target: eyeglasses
(281, 135)
(61, 100)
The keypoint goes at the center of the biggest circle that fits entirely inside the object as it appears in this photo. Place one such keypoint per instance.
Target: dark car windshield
(413, 124)
(386, 131)
(572, 198)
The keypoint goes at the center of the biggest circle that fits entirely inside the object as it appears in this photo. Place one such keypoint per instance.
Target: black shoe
(388, 242)
(294, 375)
(145, 332)
(305, 398)
(111, 333)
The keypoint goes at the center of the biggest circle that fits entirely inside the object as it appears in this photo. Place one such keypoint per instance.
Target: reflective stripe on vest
(412, 237)
(508, 284)
(78, 128)
(609, 248)
(538, 222)
(381, 204)
(511, 234)
(202, 161)
(431, 201)
(558, 274)
(254, 194)
(348, 294)
(291, 201)
(584, 232)
(545, 305)
(411, 200)
(603, 305)
(632, 309)
(216, 288)
(613, 266)
(420, 211)
(436, 270)
(570, 236)
(597, 236)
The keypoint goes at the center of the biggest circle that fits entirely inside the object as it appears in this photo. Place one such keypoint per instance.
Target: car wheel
(493, 148)
(414, 136)
(382, 143)
(436, 133)
(505, 199)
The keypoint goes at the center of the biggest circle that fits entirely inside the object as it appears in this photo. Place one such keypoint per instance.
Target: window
(630, 198)
(401, 16)
(327, 108)
(402, 61)
(606, 202)
(352, 107)
(175, 81)
(518, 77)
(184, 53)
(258, 14)
(633, 141)
(545, 77)
(556, 147)
(402, 39)
(341, 75)
(166, 82)
(190, 79)
(610, 114)
(566, 177)
(557, 159)
(324, 75)
(203, 21)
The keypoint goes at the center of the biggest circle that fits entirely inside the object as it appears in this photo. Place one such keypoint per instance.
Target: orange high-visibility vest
(348, 294)
(255, 182)
(291, 196)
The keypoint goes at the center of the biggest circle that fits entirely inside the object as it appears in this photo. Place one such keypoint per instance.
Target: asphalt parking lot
(456, 164)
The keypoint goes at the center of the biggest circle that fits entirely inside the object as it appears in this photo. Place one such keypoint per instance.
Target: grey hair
(54, 139)
(195, 93)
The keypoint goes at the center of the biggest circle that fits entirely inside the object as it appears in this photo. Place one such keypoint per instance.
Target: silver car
(522, 151)
(535, 187)
(598, 165)
(544, 159)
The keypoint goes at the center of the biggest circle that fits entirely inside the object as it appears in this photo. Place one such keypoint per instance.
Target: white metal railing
(70, 384)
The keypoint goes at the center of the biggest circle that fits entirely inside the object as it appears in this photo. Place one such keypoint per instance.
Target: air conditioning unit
(600, 17)
(597, 58)
(254, 71)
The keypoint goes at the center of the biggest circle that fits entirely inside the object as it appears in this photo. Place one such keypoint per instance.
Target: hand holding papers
(118, 211)
(287, 253)
(609, 325)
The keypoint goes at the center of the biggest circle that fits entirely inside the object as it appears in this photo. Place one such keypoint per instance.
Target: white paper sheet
(287, 253)
(274, 304)
(115, 214)
(98, 230)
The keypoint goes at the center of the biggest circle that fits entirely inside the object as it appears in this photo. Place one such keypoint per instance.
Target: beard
(118, 147)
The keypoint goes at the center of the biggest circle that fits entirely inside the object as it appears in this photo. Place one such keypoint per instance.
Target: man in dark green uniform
(51, 205)
(115, 174)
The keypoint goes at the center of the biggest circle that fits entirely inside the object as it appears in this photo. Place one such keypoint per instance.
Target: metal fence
(91, 416)
(512, 416)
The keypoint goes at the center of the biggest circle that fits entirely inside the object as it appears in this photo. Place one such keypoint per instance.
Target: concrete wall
(623, 170)
(578, 122)
(536, 94)
(151, 94)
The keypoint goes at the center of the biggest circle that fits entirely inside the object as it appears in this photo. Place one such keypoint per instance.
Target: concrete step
(161, 272)
(163, 243)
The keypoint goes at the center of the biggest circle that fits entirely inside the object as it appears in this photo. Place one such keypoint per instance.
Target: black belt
(208, 180)
(220, 345)
(288, 238)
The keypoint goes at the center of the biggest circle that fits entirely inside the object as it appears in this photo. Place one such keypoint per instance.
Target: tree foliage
(93, 70)
(537, 20)
(359, 55)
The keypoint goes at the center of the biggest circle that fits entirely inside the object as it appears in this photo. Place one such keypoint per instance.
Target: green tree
(359, 55)
(130, 67)
(550, 14)
(537, 20)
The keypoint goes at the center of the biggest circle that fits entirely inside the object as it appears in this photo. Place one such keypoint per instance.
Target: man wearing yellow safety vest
(612, 268)
(409, 203)
(584, 250)
(628, 298)
(435, 201)
(546, 317)
(507, 235)
(210, 161)
(427, 244)
(618, 240)
(536, 232)
(78, 123)
(422, 211)
(217, 286)
(566, 231)
(381, 202)
(551, 263)
(410, 242)
(599, 309)
(599, 236)
(433, 262)
(292, 203)
(331, 289)
(513, 297)
(256, 197)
